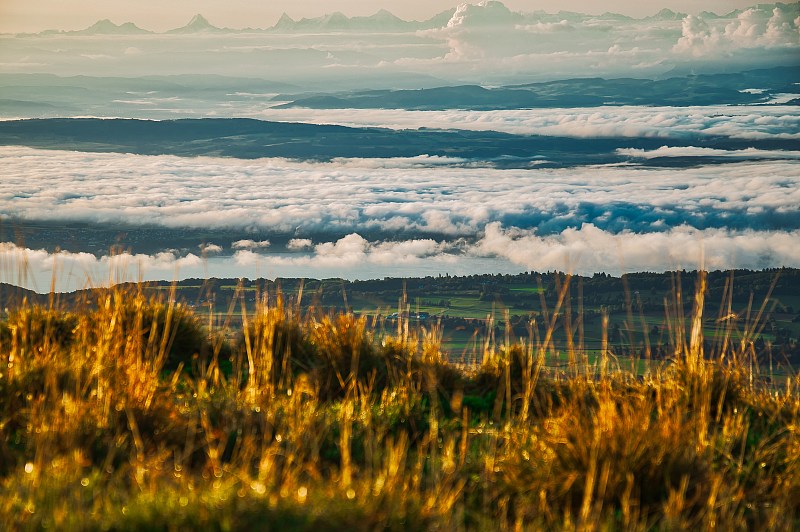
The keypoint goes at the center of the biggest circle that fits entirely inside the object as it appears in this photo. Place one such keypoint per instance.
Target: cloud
(547, 27)
(250, 244)
(697, 37)
(36, 268)
(487, 13)
(589, 249)
(693, 151)
(210, 249)
(420, 161)
(569, 44)
(582, 250)
(737, 122)
(353, 250)
(309, 200)
(757, 27)
(350, 248)
(297, 244)
(245, 257)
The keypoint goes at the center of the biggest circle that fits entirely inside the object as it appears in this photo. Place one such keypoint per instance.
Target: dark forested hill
(250, 139)
(703, 89)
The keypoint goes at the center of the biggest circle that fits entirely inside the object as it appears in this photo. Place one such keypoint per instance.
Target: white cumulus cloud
(757, 27)
(250, 244)
(588, 249)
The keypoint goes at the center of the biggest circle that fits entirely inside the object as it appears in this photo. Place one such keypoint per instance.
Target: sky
(157, 15)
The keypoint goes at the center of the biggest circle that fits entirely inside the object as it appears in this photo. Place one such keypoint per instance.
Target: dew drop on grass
(29, 468)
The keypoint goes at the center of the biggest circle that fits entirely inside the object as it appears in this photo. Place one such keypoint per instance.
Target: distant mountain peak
(668, 14)
(102, 26)
(285, 23)
(106, 27)
(615, 16)
(382, 20)
(331, 21)
(199, 20)
(336, 15)
(198, 24)
(383, 14)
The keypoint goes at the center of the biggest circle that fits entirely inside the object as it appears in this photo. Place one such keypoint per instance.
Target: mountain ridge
(197, 24)
(464, 15)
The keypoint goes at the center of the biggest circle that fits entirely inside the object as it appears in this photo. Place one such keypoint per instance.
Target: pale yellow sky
(160, 15)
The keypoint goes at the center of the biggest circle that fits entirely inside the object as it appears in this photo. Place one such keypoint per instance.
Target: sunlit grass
(131, 412)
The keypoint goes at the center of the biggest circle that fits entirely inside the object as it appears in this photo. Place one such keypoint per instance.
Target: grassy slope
(128, 414)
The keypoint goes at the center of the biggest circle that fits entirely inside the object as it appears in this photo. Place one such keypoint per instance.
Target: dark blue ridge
(249, 139)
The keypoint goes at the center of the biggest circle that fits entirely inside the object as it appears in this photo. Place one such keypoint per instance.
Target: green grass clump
(126, 413)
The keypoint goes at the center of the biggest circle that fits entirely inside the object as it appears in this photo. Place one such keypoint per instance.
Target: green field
(468, 312)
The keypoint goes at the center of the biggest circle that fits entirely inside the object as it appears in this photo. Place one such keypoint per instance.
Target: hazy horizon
(17, 16)
(485, 44)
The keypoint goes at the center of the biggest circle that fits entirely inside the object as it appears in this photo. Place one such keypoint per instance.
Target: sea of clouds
(360, 218)
(753, 122)
(392, 196)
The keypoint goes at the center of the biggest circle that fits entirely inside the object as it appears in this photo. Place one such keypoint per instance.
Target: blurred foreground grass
(128, 413)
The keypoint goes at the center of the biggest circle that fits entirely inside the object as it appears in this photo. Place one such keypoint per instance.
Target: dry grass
(127, 413)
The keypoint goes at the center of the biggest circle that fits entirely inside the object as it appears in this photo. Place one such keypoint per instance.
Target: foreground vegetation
(126, 412)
